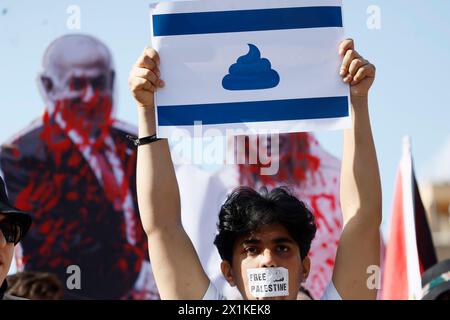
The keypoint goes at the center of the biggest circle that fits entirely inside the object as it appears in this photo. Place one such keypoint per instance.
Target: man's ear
(306, 268)
(46, 83)
(227, 272)
(113, 78)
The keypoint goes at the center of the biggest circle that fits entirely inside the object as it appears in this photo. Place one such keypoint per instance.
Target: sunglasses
(11, 230)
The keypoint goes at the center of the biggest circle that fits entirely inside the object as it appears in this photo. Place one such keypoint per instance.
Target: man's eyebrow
(283, 240)
(275, 241)
(250, 241)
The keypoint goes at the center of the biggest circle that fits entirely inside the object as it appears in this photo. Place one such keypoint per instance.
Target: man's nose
(88, 94)
(268, 260)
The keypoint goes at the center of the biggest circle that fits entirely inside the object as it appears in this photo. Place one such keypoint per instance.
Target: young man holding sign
(269, 252)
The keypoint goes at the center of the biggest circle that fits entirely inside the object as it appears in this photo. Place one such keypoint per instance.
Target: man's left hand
(355, 70)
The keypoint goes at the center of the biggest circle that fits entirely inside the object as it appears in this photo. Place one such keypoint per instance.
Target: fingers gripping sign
(355, 70)
(144, 78)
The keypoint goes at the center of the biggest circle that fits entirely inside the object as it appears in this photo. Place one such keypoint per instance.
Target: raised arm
(175, 263)
(359, 246)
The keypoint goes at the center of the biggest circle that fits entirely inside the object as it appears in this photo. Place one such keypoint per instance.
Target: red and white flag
(409, 250)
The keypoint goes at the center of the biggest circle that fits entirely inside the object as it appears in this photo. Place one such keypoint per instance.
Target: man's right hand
(144, 78)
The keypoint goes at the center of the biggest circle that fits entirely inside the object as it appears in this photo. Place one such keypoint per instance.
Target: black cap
(21, 217)
(436, 281)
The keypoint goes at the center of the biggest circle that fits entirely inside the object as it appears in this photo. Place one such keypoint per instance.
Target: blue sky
(411, 51)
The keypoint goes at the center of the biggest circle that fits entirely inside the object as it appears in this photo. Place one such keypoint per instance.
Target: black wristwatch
(142, 141)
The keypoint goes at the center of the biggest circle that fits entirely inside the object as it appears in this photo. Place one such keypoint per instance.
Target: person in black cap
(436, 282)
(14, 224)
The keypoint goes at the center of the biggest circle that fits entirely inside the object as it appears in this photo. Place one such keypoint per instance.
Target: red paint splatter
(319, 214)
(295, 162)
(75, 219)
(330, 262)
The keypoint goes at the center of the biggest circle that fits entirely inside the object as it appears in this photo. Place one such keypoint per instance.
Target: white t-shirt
(213, 294)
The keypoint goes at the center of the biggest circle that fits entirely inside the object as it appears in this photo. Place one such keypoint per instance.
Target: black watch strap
(142, 141)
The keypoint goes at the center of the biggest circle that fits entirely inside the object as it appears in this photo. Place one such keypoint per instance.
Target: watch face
(133, 139)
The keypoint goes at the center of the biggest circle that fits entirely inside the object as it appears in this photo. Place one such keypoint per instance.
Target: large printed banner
(75, 172)
(259, 65)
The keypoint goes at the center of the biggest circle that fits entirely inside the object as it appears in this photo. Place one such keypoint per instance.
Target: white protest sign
(268, 282)
(268, 66)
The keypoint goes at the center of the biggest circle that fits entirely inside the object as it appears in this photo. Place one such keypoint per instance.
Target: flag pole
(406, 146)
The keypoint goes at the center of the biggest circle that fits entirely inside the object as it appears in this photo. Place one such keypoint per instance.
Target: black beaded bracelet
(142, 141)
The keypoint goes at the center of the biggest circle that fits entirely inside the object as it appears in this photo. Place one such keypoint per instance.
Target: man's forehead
(76, 53)
(89, 67)
(84, 72)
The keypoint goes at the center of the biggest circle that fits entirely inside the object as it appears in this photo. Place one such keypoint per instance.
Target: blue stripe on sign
(246, 20)
(259, 111)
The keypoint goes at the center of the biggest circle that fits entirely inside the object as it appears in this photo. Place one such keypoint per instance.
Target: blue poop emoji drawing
(250, 72)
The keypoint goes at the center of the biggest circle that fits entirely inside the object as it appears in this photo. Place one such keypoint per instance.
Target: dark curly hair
(35, 286)
(246, 210)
